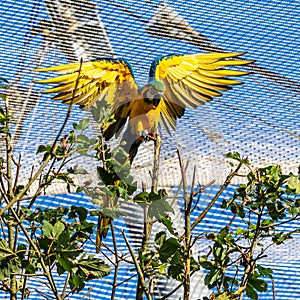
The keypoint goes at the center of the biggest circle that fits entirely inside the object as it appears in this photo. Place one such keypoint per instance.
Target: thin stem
(65, 285)
(11, 225)
(35, 248)
(18, 164)
(250, 263)
(216, 197)
(8, 153)
(157, 146)
(273, 289)
(187, 230)
(148, 223)
(138, 267)
(30, 182)
(117, 262)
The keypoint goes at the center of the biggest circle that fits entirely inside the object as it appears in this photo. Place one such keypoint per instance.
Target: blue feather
(155, 63)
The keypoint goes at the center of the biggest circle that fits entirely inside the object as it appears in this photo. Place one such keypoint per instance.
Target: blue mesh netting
(259, 119)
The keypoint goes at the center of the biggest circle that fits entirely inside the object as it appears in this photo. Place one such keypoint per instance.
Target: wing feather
(192, 80)
(109, 79)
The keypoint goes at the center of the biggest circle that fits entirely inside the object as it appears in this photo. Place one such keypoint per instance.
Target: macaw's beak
(157, 98)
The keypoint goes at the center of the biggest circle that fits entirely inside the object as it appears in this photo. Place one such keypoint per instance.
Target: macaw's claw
(143, 133)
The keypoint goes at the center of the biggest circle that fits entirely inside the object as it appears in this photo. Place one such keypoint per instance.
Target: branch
(187, 228)
(28, 185)
(216, 197)
(138, 267)
(49, 157)
(117, 262)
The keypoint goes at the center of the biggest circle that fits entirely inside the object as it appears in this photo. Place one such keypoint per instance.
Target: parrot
(175, 82)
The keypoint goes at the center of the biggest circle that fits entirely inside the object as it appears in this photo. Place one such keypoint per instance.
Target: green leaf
(169, 225)
(78, 211)
(236, 156)
(142, 197)
(64, 264)
(43, 148)
(4, 249)
(159, 209)
(47, 229)
(93, 267)
(207, 265)
(76, 282)
(267, 272)
(169, 247)
(258, 284)
(294, 184)
(58, 228)
(240, 231)
(64, 239)
(82, 138)
(212, 278)
(21, 251)
(82, 125)
(77, 171)
(251, 293)
(176, 271)
(4, 129)
(160, 238)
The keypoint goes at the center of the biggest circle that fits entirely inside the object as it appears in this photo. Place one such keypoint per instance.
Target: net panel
(258, 119)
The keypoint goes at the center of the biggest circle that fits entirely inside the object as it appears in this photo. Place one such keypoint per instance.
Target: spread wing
(192, 80)
(109, 80)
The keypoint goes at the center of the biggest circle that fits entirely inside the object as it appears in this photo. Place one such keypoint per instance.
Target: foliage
(55, 237)
(269, 199)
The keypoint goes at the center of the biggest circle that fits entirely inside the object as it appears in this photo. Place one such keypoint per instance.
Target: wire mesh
(258, 119)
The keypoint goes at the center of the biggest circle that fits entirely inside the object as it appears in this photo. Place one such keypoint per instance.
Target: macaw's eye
(152, 91)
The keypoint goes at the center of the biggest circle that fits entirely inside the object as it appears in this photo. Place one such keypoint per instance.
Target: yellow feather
(224, 63)
(60, 79)
(222, 73)
(206, 82)
(216, 55)
(216, 80)
(60, 68)
(200, 89)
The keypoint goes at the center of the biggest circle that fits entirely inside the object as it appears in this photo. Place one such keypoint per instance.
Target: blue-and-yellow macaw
(176, 82)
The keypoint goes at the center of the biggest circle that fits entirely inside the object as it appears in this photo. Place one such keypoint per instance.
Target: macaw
(176, 82)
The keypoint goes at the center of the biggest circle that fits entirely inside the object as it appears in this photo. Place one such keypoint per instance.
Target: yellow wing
(111, 80)
(192, 80)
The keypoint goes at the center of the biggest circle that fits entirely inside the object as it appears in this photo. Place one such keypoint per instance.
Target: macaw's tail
(104, 223)
(132, 144)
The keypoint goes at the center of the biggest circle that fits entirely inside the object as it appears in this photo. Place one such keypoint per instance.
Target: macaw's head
(153, 91)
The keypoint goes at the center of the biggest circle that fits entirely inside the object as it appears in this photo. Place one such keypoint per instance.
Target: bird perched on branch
(176, 82)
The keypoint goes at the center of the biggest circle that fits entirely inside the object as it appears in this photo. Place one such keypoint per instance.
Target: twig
(28, 185)
(18, 164)
(31, 242)
(249, 261)
(216, 197)
(187, 229)
(273, 289)
(65, 285)
(138, 267)
(157, 146)
(179, 185)
(127, 279)
(117, 262)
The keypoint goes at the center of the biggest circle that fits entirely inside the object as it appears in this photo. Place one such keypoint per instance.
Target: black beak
(156, 99)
